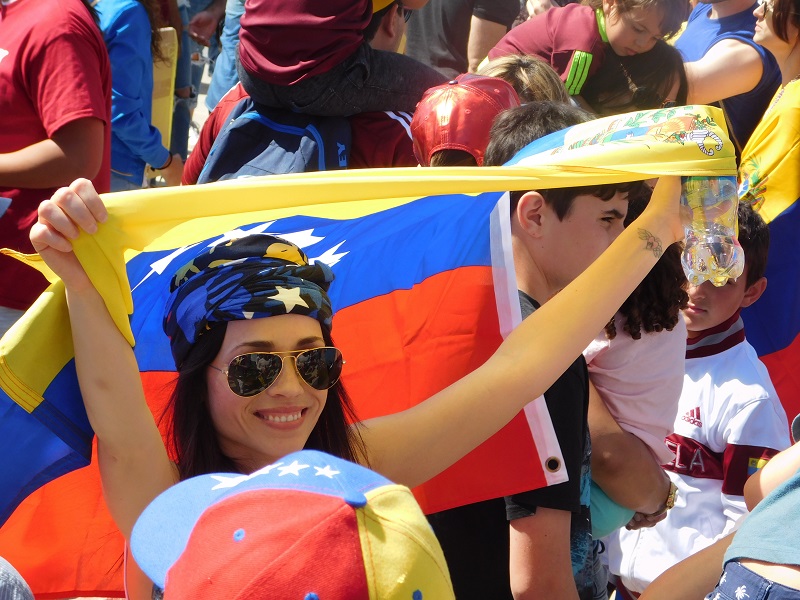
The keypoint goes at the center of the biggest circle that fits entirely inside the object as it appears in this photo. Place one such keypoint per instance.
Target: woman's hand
(663, 210)
(61, 219)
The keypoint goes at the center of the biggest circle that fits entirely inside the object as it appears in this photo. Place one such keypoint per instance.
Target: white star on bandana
(290, 297)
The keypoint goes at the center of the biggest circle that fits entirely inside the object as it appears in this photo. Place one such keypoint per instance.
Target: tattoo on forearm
(652, 243)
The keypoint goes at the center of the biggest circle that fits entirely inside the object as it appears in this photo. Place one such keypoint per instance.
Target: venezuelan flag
(424, 292)
(769, 179)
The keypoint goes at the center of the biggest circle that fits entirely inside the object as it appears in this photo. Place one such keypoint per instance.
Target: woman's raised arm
(412, 446)
(133, 461)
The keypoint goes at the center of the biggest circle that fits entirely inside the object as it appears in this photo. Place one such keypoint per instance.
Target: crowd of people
(683, 480)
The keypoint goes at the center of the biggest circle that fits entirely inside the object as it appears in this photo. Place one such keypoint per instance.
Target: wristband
(669, 502)
(167, 164)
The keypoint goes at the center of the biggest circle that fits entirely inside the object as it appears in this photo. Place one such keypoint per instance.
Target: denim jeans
(600, 571)
(12, 585)
(225, 75)
(122, 184)
(367, 81)
(739, 583)
(182, 111)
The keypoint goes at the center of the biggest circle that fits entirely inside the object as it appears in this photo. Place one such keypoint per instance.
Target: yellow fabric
(164, 84)
(380, 4)
(401, 553)
(769, 175)
(679, 141)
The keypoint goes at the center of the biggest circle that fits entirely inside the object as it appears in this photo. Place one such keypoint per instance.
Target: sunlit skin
(764, 33)
(250, 430)
(765, 36)
(631, 32)
(710, 306)
(572, 244)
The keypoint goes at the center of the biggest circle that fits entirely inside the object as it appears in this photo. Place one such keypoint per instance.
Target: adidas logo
(693, 417)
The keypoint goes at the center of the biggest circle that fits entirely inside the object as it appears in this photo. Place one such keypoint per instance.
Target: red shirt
(286, 41)
(568, 38)
(54, 70)
(380, 139)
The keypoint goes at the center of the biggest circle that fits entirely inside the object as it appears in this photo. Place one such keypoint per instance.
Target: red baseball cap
(458, 115)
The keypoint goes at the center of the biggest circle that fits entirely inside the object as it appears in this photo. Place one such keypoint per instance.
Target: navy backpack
(258, 140)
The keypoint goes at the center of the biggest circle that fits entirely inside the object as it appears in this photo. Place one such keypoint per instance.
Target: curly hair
(656, 302)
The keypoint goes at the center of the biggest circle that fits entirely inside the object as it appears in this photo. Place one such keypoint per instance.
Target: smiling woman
(240, 310)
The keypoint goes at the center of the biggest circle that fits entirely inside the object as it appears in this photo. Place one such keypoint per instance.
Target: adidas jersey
(730, 422)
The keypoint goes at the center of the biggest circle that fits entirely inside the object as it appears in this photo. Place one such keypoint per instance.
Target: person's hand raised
(61, 219)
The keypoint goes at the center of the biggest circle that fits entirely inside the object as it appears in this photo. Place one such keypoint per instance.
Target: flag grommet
(553, 464)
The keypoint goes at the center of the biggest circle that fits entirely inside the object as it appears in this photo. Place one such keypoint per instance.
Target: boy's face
(631, 32)
(572, 244)
(710, 306)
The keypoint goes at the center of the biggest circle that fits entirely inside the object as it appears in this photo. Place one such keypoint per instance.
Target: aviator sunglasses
(250, 374)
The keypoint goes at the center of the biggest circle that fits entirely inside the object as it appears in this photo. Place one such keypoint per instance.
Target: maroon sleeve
(739, 462)
(211, 128)
(554, 36)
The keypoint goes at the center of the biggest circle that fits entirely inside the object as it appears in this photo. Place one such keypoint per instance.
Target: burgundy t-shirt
(54, 70)
(555, 36)
(285, 41)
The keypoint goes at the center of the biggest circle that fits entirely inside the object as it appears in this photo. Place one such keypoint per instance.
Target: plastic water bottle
(712, 252)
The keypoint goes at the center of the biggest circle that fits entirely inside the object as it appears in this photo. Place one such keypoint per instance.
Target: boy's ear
(754, 292)
(389, 21)
(530, 213)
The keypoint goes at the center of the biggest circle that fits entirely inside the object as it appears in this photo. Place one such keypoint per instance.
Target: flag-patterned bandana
(249, 278)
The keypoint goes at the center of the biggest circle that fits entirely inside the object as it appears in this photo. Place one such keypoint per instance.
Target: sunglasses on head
(250, 374)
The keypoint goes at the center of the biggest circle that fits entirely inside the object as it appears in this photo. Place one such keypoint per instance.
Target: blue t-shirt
(743, 111)
(764, 535)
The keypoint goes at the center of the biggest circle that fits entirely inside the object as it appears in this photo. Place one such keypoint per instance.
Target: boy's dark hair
(515, 128)
(754, 238)
(372, 27)
(655, 303)
(452, 157)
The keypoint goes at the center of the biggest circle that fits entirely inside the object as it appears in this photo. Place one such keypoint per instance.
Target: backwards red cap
(458, 116)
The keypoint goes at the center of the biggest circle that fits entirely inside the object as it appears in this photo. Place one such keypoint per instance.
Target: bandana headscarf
(249, 278)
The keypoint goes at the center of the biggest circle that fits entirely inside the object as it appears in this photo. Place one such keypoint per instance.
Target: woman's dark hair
(154, 15)
(785, 13)
(92, 11)
(639, 82)
(655, 303)
(193, 439)
(673, 12)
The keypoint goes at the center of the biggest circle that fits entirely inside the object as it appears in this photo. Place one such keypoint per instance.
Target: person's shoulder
(739, 373)
(575, 28)
(120, 15)
(573, 12)
(381, 139)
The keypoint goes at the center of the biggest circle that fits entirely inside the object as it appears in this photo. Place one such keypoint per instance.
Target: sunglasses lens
(250, 374)
(320, 367)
